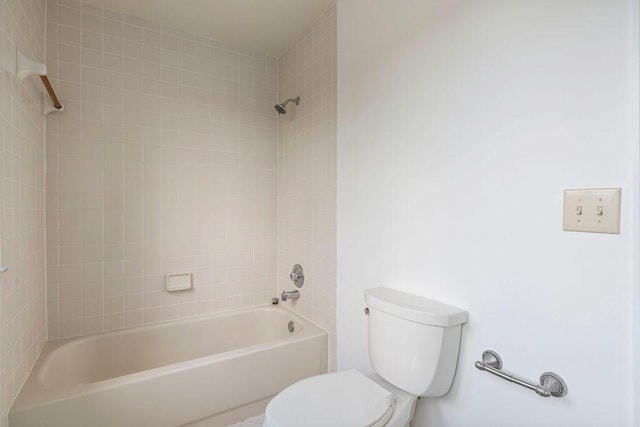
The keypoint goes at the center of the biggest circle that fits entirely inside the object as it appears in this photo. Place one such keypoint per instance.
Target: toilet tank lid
(414, 308)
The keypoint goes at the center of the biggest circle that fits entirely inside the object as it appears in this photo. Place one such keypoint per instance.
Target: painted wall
(460, 124)
(307, 174)
(22, 199)
(164, 161)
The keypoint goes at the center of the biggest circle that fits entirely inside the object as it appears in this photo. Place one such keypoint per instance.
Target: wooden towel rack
(52, 93)
(26, 67)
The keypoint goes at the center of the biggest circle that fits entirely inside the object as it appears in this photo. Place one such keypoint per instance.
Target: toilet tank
(413, 341)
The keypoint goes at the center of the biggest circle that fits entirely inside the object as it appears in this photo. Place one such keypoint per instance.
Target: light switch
(595, 210)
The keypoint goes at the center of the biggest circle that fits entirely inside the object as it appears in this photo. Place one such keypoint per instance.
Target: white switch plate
(593, 210)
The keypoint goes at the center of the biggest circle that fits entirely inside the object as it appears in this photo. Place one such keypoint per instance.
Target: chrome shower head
(281, 108)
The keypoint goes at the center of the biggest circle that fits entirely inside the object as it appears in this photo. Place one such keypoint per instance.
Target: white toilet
(413, 347)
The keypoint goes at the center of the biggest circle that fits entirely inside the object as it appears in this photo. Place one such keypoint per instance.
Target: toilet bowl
(413, 347)
(343, 399)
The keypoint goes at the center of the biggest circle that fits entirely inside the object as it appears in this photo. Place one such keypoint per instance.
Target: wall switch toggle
(595, 210)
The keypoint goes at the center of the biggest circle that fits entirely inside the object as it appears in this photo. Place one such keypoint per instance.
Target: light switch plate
(592, 210)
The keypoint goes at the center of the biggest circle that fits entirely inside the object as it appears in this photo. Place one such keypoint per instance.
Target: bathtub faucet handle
(286, 295)
(297, 275)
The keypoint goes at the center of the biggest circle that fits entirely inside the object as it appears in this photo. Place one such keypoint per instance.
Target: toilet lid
(343, 399)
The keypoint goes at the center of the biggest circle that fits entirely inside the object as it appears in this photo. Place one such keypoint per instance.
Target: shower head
(281, 108)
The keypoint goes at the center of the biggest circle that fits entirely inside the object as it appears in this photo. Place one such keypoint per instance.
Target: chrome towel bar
(550, 384)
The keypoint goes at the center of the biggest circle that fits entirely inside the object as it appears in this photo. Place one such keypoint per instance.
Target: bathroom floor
(250, 422)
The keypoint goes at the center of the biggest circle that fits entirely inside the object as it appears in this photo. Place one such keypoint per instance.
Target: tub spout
(290, 295)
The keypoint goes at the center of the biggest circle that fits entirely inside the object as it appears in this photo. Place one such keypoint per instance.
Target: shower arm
(296, 100)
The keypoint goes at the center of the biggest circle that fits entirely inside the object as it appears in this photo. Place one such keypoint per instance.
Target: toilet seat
(343, 399)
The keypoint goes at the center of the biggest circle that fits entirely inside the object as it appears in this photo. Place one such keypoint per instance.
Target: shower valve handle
(297, 275)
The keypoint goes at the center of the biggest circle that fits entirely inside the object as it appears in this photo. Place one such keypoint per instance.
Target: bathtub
(206, 371)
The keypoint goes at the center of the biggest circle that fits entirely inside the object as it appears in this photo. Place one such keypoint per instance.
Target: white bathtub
(207, 371)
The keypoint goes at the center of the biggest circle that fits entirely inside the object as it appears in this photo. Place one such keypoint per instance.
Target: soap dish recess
(179, 282)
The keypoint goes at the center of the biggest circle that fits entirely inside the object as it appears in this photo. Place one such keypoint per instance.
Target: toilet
(413, 348)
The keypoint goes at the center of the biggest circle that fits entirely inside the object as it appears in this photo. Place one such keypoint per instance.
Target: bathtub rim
(38, 394)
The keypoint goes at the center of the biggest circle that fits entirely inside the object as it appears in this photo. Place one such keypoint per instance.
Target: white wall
(459, 125)
(635, 159)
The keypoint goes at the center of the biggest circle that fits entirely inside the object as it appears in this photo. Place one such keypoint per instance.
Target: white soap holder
(179, 282)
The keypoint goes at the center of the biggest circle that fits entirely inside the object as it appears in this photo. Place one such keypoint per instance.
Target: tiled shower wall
(164, 161)
(307, 173)
(22, 199)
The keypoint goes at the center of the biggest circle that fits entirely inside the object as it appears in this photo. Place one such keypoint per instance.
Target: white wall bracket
(26, 67)
(48, 107)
